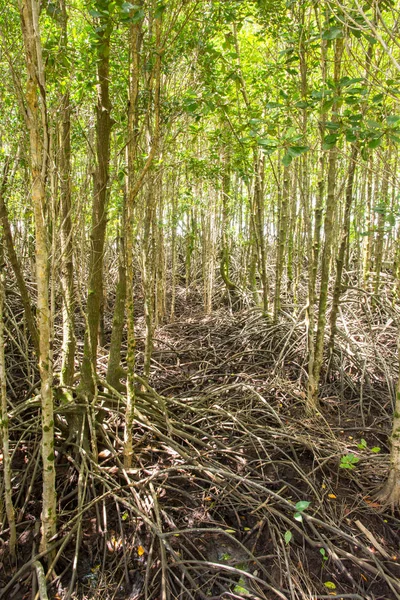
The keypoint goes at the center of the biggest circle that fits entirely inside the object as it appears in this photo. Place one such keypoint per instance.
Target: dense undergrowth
(234, 493)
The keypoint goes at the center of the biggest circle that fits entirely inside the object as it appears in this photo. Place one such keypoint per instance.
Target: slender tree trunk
(314, 236)
(148, 274)
(38, 135)
(380, 235)
(4, 429)
(99, 209)
(114, 370)
(160, 266)
(282, 235)
(231, 287)
(259, 226)
(390, 494)
(312, 398)
(67, 266)
(342, 250)
(16, 266)
(173, 253)
(134, 185)
(367, 250)
(292, 234)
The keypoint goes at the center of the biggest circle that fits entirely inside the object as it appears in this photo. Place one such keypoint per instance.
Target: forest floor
(234, 492)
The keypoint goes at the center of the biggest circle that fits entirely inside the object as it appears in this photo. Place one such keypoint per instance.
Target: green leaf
(302, 505)
(330, 585)
(273, 105)
(393, 119)
(333, 33)
(329, 141)
(95, 13)
(350, 136)
(371, 39)
(375, 142)
(327, 105)
(348, 461)
(267, 142)
(225, 556)
(357, 118)
(375, 449)
(240, 588)
(332, 125)
(159, 11)
(127, 6)
(295, 151)
(302, 104)
(391, 219)
(323, 552)
(378, 98)
(137, 16)
(347, 81)
(287, 159)
(362, 445)
(288, 536)
(298, 517)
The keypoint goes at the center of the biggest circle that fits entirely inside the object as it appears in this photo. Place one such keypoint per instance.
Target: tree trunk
(67, 266)
(390, 494)
(342, 250)
(38, 136)
(4, 429)
(114, 370)
(15, 263)
(134, 185)
(259, 226)
(99, 209)
(312, 397)
(282, 235)
(380, 236)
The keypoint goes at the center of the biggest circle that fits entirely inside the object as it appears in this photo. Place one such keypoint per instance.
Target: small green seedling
(288, 536)
(301, 507)
(241, 589)
(324, 554)
(363, 446)
(330, 585)
(225, 557)
(348, 461)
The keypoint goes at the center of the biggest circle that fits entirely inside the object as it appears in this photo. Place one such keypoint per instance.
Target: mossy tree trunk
(282, 236)
(135, 183)
(390, 494)
(259, 229)
(114, 369)
(342, 251)
(369, 224)
(314, 237)
(312, 397)
(231, 287)
(36, 117)
(67, 266)
(16, 265)
(380, 233)
(4, 428)
(99, 207)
